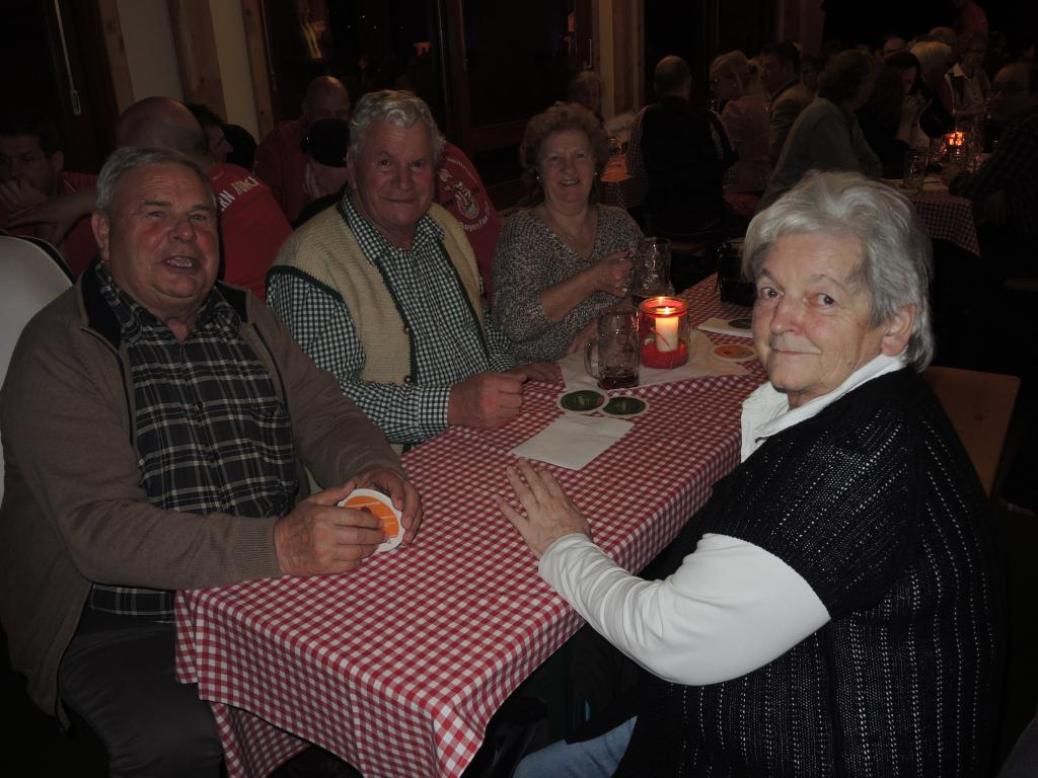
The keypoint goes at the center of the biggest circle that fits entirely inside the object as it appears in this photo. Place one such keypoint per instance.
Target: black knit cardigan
(875, 503)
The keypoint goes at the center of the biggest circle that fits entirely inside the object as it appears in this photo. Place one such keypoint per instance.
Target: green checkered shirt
(449, 343)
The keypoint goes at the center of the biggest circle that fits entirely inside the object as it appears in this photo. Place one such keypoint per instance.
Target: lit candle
(667, 330)
(663, 330)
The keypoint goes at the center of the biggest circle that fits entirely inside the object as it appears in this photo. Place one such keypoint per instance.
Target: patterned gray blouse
(530, 258)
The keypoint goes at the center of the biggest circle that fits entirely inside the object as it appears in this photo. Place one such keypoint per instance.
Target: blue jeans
(596, 758)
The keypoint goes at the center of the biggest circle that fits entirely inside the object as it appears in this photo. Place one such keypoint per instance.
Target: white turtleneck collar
(766, 412)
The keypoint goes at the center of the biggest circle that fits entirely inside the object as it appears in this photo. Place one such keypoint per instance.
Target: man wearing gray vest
(383, 291)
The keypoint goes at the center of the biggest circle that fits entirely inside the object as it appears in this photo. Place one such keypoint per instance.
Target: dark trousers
(117, 676)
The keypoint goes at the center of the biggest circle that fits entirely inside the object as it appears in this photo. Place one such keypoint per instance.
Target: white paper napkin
(571, 441)
(701, 363)
(722, 327)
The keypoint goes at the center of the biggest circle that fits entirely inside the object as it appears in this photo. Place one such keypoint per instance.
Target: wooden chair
(979, 406)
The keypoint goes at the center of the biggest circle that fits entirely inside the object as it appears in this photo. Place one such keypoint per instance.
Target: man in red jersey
(252, 226)
(280, 162)
(460, 190)
(31, 174)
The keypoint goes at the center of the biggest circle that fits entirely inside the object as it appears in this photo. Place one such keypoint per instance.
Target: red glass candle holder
(663, 332)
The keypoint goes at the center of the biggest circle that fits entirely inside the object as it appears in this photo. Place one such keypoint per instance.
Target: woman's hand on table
(613, 273)
(550, 514)
(319, 537)
(401, 491)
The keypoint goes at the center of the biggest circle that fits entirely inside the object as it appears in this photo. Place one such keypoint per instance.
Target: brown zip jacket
(74, 511)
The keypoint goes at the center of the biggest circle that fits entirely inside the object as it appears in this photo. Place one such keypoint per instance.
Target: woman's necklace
(581, 242)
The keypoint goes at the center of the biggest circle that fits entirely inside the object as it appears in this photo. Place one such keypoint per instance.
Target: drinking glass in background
(975, 147)
(915, 170)
(613, 358)
(650, 275)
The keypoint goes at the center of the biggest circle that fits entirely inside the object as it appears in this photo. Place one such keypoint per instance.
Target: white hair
(400, 109)
(127, 158)
(932, 55)
(896, 253)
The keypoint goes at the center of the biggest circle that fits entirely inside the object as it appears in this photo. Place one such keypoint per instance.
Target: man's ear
(898, 329)
(100, 225)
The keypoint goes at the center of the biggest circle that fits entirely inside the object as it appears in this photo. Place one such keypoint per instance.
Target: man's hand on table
(550, 514)
(490, 400)
(486, 400)
(403, 494)
(545, 372)
(319, 537)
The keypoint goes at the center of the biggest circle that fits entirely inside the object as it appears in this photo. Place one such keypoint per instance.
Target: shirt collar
(135, 320)
(766, 412)
(427, 231)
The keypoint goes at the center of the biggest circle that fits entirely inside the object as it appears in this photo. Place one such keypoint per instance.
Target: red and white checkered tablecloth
(947, 217)
(399, 666)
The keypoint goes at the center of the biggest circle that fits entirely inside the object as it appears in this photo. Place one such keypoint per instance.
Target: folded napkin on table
(724, 327)
(572, 441)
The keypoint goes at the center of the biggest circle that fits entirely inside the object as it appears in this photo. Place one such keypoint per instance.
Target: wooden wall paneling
(627, 55)
(587, 37)
(118, 67)
(451, 14)
(87, 119)
(195, 41)
(259, 63)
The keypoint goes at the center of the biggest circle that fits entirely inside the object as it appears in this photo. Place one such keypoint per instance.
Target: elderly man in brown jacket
(157, 428)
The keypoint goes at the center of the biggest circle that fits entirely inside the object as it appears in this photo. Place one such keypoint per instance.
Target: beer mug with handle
(613, 357)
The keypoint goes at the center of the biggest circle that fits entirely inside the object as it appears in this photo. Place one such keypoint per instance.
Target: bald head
(672, 77)
(159, 122)
(945, 35)
(326, 98)
(1013, 91)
